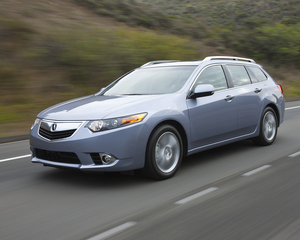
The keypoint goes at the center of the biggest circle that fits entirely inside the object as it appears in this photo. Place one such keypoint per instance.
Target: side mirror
(202, 90)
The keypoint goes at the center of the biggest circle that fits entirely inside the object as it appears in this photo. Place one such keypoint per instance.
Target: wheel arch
(262, 139)
(273, 106)
(179, 128)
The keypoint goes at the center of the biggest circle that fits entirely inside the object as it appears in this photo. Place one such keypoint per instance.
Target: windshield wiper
(134, 94)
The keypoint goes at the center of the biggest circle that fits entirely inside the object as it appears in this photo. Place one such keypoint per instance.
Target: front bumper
(126, 144)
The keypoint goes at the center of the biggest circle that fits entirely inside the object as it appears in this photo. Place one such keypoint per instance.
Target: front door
(213, 119)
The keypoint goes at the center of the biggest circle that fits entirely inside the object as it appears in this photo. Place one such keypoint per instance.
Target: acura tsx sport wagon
(155, 115)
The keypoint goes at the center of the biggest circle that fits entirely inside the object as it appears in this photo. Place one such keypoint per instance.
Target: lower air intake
(61, 157)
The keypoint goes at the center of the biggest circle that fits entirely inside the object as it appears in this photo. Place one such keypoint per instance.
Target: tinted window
(257, 74)
(158, 80)
(239, 75)
(213, 75)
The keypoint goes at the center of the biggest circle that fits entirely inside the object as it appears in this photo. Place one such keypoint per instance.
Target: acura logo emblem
(53, 127)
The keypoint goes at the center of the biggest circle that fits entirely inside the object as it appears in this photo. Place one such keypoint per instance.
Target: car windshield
(158, 80)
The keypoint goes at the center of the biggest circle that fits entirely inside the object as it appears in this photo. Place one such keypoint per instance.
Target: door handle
(228, 98)
(257, 90)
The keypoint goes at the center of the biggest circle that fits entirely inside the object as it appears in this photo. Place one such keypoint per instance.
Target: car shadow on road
(218, 153)
(119, 180)
(85, 180)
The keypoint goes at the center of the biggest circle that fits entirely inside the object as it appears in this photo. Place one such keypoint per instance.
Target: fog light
(106, 158)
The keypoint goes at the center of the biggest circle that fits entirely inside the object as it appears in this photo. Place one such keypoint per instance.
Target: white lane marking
(294, 154)
(292, 108)
(6, 143)
(113, 231)
(247, 174)
(196, 195)
(15, 158)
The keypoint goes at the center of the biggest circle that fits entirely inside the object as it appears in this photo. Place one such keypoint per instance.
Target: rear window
(257, 74)
(239, 75)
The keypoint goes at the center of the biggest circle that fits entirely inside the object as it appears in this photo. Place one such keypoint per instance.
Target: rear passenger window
(257, 74)
(213, 75)
(239, 75)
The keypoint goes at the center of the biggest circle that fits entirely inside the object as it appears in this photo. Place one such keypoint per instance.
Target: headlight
(107, 124)
(36, 122)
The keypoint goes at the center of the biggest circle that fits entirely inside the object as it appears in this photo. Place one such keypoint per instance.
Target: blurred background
(56, 50)
(51, 51)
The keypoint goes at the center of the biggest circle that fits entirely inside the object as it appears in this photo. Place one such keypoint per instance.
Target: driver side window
(213, 75)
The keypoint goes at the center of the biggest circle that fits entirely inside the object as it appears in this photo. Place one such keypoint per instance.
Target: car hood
(99, 107)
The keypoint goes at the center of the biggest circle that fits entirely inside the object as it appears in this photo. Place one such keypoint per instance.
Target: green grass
(14, 113)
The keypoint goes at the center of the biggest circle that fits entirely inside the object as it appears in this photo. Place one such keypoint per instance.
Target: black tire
(268, 128)
(164, 153)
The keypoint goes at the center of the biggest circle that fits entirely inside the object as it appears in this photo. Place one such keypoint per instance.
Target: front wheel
(268, 128)
(164, 153)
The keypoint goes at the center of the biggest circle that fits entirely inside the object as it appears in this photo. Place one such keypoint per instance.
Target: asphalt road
(239, 191)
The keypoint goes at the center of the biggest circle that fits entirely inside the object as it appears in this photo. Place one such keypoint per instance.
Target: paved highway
(239, 191)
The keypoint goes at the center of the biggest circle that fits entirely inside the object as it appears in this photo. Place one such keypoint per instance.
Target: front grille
(61, 157)
(56, 135)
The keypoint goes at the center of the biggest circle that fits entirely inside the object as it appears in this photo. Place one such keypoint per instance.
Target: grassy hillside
(231, 13)
(243, 25)
(51, 51)
(136, 14)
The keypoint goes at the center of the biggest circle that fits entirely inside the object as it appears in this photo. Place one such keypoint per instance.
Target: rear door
(248, 94)
(213, 118)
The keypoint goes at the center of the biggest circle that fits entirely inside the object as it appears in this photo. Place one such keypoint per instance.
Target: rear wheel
(268, 128)
(164, 153)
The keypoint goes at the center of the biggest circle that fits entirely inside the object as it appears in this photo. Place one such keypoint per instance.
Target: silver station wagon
(154, 116)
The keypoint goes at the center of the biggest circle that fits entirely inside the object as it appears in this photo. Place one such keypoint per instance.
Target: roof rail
(158, 62)
(229, 58)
